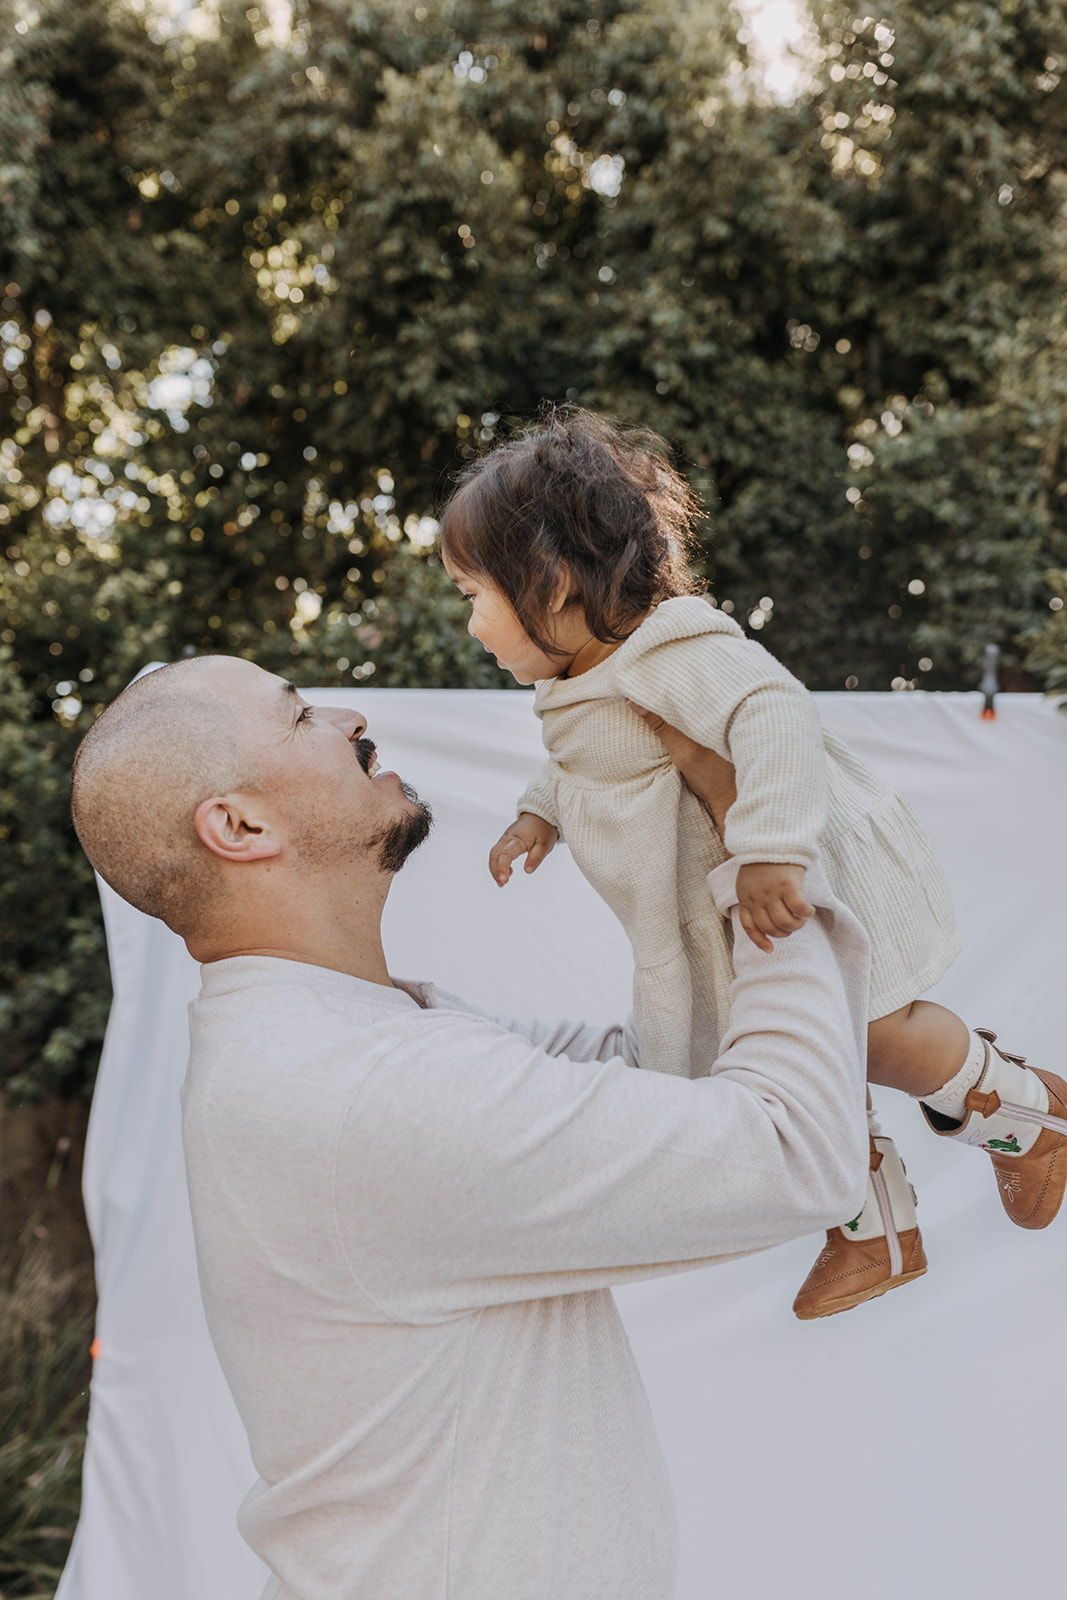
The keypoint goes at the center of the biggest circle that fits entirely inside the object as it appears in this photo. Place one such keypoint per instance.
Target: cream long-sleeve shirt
(408, 1216)
(646, 844)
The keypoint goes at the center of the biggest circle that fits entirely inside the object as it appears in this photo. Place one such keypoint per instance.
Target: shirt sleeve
(775, 743)
(578, 1040)
(732, 696)
(539, 798)
(474, 1168)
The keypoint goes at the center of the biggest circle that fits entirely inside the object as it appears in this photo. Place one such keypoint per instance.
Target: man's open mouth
(367, 756)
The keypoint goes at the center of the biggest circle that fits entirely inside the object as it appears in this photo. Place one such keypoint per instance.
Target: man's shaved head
(168, 742)
(212, 795)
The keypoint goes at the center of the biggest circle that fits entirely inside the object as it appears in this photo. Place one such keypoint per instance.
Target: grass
(46, 1325)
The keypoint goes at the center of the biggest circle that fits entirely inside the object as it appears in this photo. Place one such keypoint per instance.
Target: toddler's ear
(563, 591)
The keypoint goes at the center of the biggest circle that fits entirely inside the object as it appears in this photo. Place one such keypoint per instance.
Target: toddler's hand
(528, 836)
(772, 901)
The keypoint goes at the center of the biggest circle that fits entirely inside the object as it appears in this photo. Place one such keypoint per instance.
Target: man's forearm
(524, 1174)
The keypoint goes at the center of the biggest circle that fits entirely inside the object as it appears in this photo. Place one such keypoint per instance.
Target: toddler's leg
(915, 1049)
(918, 1048)
(877, 1250)
(1018, 1114)
(970, 1091)
(982, 1096)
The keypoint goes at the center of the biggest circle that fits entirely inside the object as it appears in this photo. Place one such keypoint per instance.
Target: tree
(264, 292)
(847, 304)
(943, 128)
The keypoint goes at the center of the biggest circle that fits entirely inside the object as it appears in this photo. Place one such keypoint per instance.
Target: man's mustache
(366, 750)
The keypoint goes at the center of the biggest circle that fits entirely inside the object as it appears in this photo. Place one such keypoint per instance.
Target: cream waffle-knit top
(646, 844)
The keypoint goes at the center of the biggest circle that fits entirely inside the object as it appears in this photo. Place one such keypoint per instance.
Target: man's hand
(710, 776)
(772, 901)
(528, 836)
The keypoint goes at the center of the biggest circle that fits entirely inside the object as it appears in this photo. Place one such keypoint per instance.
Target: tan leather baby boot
(1017, 1114)
(876, 1251)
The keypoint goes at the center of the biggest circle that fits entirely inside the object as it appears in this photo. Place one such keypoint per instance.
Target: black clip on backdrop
(990, 683)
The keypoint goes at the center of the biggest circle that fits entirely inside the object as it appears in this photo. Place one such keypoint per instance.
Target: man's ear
(231, 826)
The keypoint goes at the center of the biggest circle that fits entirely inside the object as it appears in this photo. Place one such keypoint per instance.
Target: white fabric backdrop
(908, 1450)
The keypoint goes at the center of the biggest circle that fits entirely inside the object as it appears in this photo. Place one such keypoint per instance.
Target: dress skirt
(884, 868)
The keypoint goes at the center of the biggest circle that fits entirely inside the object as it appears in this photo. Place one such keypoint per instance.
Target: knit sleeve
(580, 1041)
(733, 697)
(775, 743)
(539, 798)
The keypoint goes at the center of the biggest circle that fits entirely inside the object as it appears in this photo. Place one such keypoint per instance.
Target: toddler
(570, 543)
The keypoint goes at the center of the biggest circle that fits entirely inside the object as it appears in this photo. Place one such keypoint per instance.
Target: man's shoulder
(286, 1028)
(263, 1007)
(265, 987)
(286, 1062)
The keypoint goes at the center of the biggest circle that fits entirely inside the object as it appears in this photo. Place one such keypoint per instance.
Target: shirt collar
(235, 973)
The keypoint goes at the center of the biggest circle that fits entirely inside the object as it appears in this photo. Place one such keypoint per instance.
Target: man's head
(210, 789)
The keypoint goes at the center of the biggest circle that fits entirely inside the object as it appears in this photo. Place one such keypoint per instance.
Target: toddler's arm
(771, 899)
(732, 697)
(528, 835)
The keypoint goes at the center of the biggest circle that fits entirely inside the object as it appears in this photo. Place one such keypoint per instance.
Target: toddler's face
(494, 624)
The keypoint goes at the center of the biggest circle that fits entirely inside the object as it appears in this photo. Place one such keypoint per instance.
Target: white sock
(949, 1099)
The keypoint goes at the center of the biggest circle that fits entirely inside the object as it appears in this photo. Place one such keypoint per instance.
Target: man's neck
(370, 970)
(341, 933)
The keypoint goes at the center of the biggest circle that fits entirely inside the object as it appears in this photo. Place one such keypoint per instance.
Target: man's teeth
(374, 768)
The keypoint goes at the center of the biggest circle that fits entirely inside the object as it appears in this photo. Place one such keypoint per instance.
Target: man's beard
(396, 842)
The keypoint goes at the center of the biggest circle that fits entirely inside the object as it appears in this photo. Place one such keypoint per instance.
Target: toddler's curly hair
(575, 500)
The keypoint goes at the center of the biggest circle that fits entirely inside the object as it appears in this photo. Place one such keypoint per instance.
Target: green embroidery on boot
(1011, 1145)
(854, 1224)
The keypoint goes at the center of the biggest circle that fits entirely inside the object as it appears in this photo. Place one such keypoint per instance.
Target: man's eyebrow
(288, 694)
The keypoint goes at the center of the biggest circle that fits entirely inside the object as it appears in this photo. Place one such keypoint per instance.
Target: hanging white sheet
(909, 1450)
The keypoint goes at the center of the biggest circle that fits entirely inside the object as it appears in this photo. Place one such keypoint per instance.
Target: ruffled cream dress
(646, 844)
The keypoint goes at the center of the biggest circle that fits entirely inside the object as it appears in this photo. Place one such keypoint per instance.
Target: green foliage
(46, 1325)
(860, 295)
(945, 125)
(264, 291)
(53, 967)
(1049, 653)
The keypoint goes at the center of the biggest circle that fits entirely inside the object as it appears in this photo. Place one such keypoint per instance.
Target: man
(408, 1214)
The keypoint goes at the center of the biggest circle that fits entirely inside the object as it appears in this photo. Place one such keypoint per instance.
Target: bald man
(409, 1214)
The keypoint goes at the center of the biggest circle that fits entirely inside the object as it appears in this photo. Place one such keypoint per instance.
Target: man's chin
(400, 837)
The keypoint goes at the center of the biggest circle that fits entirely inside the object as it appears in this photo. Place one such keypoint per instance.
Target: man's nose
(351, 723)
